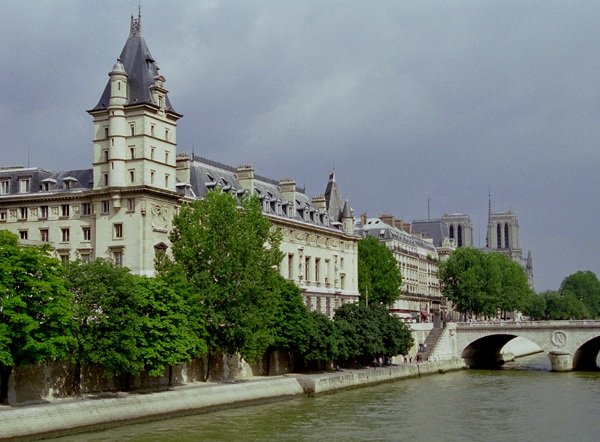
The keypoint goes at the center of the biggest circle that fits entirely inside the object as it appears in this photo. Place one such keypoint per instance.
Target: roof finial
(136, 24)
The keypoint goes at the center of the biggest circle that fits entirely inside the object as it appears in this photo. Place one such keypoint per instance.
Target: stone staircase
(431, 341)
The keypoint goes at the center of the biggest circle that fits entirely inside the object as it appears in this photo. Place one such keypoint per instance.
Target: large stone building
(417, 259)
(122, 208)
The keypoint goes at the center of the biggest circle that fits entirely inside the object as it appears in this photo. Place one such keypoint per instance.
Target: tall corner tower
(134, 123)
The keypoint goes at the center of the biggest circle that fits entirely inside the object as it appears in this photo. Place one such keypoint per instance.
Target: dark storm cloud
(407, 100)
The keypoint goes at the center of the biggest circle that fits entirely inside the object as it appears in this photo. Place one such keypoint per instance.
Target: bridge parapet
(572, 344)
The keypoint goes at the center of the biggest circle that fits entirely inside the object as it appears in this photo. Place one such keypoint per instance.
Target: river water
(523, 401)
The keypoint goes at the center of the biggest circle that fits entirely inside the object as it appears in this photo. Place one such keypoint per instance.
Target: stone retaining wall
(70, 414)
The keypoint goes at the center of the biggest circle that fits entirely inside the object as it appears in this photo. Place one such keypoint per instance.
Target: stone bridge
(570, 345)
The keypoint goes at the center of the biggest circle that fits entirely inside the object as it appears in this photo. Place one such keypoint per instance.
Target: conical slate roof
(141, 69)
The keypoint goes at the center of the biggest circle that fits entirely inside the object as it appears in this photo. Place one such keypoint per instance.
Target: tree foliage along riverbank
(221, 292)
(487, 284)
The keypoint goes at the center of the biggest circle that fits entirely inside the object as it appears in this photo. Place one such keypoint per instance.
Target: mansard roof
(376, 228)
(434, 228)
(56, 182)
(141, 70)
(206, 175)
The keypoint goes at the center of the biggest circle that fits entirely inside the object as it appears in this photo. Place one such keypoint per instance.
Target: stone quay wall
(68, 415)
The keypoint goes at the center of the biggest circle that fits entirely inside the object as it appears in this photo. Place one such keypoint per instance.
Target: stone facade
(122, 208)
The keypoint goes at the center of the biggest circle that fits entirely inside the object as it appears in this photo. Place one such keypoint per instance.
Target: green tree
(360, 332)
(465, 282)
(367, 332)
(106, 304)
(562, 305)
(535, 306)
(324, 340)
(167, 335)
(396, 336)
(292, 323)
(584, 286)
(35, 313)
(481, 283)
(229, 256)
(128, 323)
(379, 276)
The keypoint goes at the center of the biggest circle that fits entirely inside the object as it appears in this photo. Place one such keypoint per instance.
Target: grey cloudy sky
(406, 99)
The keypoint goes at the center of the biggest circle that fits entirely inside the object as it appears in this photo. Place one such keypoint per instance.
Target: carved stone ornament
(559, 338)
(34, 211)
(13, 213)
(159, 218)
(54, 210)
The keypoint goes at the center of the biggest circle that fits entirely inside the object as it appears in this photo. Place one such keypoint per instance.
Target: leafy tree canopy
(483, 283)
(35, 313)
(585, 286)
(229, 256)
(379, 276)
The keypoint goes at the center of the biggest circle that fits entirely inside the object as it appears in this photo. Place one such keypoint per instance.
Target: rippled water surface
(522, 402)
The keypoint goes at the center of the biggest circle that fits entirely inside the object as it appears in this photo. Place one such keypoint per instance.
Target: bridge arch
(569, 345)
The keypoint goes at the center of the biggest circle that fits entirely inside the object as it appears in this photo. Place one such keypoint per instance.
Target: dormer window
(48, 184)
(69, 182)
(24, 185)
(4, 186)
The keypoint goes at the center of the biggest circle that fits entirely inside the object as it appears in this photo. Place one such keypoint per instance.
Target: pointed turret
(142, 72)
(347, 219)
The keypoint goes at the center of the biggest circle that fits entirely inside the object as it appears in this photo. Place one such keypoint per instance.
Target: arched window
(459, 235)
(506, 236)
(451, 232)
(498, 236)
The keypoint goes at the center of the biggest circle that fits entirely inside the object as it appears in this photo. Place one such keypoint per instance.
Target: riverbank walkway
(108, 409)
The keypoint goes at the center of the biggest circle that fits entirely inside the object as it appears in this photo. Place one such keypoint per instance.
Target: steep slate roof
(79, 180)
(141, 69)
(434, 228)
(205, 175)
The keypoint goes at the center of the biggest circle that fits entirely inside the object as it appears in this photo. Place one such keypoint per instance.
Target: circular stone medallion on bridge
(559, 338)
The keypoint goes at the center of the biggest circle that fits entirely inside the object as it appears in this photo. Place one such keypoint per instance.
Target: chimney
(287, 187)
(319, 203)
(245, 176)
(183, 167)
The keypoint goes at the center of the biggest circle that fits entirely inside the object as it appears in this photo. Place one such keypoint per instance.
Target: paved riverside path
(62, 415)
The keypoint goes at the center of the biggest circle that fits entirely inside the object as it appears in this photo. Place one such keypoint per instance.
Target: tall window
(131, 205)
(87, 233)
(105, 177)
(451, 232)
(118, 258)
(64, 210)
(86, 209)
(118, 231)
(506, 236)
(3, 215)
(65, 234)
(43, 211)
(132, 176)
(498, 236)
(290, 266)
(317, 269)
(105, 206)
(23, 213)
(44, 235)
(166, 180)
(459, 235)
